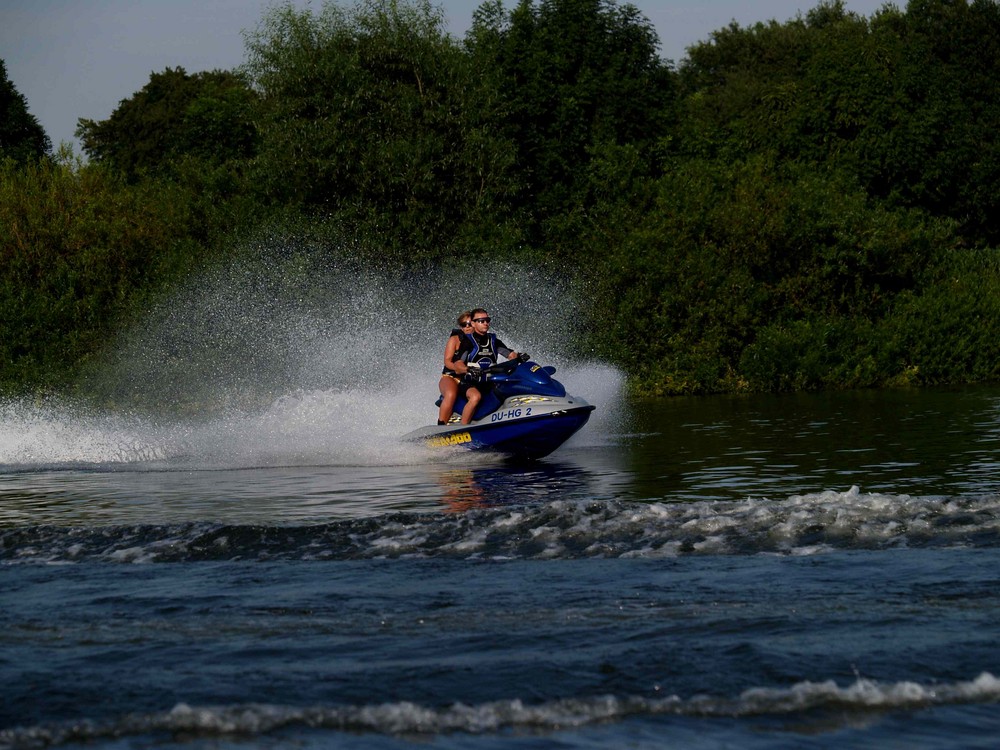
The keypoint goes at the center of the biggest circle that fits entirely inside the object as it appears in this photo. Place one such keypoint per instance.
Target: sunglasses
(466, 324)
(482, 320)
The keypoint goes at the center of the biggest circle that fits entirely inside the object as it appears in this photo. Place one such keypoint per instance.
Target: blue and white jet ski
(525, 413)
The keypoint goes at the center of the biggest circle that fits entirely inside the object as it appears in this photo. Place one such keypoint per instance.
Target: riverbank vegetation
(795, 205)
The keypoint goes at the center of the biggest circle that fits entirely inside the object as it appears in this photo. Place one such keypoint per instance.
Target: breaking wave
(798, 525)
(405, 718)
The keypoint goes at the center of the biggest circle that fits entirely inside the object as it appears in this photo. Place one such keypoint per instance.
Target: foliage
(373, 115)
(946, 331)
(723, 284)
(21, 137)
(798, 205)
(205, 115)
(78, 250)
(573, 77)
(905, 101)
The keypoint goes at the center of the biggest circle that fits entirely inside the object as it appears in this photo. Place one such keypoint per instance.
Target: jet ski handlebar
(506, 367)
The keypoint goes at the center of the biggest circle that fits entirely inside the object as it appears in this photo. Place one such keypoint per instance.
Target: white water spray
(284, 358)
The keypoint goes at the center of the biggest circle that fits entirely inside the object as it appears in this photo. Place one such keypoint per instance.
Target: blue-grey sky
(80, 58)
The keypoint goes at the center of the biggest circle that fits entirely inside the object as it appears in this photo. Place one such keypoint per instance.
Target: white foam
(303, 427)
(55, 432)
(408, 718)
(868, 694)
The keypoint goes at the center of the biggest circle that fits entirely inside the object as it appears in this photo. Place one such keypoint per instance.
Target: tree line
(794, 205)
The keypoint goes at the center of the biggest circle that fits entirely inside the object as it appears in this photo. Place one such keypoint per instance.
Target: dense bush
(79, 249)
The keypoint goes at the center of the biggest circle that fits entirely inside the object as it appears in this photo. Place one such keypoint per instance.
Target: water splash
(290, 356)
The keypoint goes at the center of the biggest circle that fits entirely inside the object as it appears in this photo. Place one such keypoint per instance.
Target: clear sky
(80, 58)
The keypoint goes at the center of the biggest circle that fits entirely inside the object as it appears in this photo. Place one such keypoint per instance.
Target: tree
(940, 151)
(574, 77)
(907, 102)
(800, 90)
(22, 138)
(737, 263)
(376, 116)
(79, 250)
(206, 115)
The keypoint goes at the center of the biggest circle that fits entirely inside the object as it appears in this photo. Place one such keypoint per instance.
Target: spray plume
(283, 356)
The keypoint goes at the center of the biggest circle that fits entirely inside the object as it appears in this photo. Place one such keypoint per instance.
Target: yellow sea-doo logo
(443, 441)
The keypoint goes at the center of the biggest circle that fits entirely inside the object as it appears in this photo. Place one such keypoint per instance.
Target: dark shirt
(486, 350)
(461, 335)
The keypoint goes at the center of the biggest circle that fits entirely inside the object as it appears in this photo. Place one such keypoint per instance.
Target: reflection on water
(460, 491)
(927, 442)
(463, 489)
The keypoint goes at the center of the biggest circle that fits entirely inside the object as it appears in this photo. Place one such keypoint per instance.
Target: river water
(754, 572)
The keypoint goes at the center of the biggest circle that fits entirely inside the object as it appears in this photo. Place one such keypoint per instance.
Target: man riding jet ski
(515, 408)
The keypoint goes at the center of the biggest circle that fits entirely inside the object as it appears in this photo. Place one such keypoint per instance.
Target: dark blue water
(767, 572)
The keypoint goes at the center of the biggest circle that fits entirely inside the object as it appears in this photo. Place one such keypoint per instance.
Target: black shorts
(463, 384)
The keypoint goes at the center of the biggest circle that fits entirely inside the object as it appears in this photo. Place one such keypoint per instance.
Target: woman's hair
(463, 315)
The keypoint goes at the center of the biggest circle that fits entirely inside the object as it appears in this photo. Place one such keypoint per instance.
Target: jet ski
(525, 413)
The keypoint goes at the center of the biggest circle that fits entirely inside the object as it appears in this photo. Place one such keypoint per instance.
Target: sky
(74, 59)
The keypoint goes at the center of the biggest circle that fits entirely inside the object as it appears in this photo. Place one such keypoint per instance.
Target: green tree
(80, 250)
(906, 101)
(799, 90)
(755, 275)
(22, 138)
(207, 116)
(574, 77)
(376, 116)
(938, 148)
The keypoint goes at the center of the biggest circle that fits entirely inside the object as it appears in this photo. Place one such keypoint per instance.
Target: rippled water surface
(794, 571)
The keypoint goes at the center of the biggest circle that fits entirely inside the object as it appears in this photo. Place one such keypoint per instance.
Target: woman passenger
(455, 367)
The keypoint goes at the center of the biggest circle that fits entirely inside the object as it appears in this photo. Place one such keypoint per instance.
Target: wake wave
(405, 718)
(799, 525)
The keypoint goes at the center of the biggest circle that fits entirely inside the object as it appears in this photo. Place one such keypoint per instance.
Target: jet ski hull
(528, 429)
